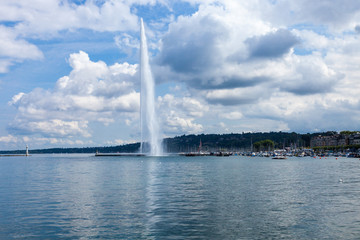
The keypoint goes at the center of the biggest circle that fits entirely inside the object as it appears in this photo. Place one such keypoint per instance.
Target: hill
(188, 143)
(235, 141)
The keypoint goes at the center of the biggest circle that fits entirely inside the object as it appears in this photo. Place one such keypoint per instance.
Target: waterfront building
(335, 140)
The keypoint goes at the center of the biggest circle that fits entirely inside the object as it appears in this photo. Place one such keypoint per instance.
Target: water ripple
(82, 197)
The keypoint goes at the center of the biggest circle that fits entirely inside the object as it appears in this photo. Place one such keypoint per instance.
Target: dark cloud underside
(271, 45)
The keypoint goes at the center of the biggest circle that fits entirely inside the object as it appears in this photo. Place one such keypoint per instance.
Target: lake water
(87, 197)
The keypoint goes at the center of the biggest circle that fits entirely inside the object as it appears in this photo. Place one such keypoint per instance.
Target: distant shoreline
(230, 142)
(14, 155)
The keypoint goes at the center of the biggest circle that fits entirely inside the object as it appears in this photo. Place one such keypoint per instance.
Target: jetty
(97, 154)
(13, 155)
(17, 155)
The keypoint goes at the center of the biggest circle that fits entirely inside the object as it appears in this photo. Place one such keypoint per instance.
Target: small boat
(195, 154)
(222, 154)
(280, 157)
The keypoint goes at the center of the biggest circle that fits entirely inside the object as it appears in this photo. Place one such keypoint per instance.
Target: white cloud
(57, 127)
(235, 58)
(250, 65)
(178, 114)
(16, 98)
(127, 43)
(8, 139)
(175, 124)
(92, 91)
(190, 106)
(336, 15)
(271, 45)
(211, 52)
(120, 142)
(309, 75)
(45, 19)
(311, 40)
(41, 18)
(4, 65)
(36, 142)
(234, 115)
(236, 96)
(13, 49)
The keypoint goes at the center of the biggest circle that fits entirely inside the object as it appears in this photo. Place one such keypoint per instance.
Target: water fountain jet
(150, 131)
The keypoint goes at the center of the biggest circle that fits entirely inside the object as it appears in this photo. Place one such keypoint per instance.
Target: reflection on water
(176, 199)
(152, 168)
(72, 197)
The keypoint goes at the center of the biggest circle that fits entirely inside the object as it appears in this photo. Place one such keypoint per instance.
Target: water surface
(87, 197)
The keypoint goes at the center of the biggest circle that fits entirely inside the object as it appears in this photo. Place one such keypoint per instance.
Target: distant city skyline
(69, 73)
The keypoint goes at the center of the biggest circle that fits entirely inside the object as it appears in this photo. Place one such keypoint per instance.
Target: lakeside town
(333, 144)
(268, 144)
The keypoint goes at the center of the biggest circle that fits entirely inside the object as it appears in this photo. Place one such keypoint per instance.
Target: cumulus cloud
(178, 115)
(197, 43)
(127, 43)
(40, 142)
(45, 19)
(8, 139)
(194, 50)
(235, 96)
(234, 115)
(357, 28)
(190, 106)
(4, 65)
(41, 18)
(121, 142)
(175, 124)
(258, 65)
(11, 47)
(325, 114)
(336, 15)
(299, 113)
(313, 76)
(14, 50)
(197, 48)
(232, 64)
(311, 41)
(273, 44)
(92, 91)
(249, 65)
(52, 127)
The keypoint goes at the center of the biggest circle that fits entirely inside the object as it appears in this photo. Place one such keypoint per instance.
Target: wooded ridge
(189, 143)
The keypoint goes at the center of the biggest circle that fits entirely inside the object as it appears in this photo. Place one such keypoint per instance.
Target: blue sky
(69, 69)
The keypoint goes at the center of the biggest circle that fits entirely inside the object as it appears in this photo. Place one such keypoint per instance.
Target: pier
(17, 155)
(14, 155)
(119, 155)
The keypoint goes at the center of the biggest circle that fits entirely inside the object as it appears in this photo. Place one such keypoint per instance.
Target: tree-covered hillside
(234, 141)
(188, 143)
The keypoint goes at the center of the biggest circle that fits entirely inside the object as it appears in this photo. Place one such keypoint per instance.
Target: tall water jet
(150, 131)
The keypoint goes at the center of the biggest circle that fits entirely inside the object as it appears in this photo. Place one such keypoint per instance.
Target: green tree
(264, 145)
